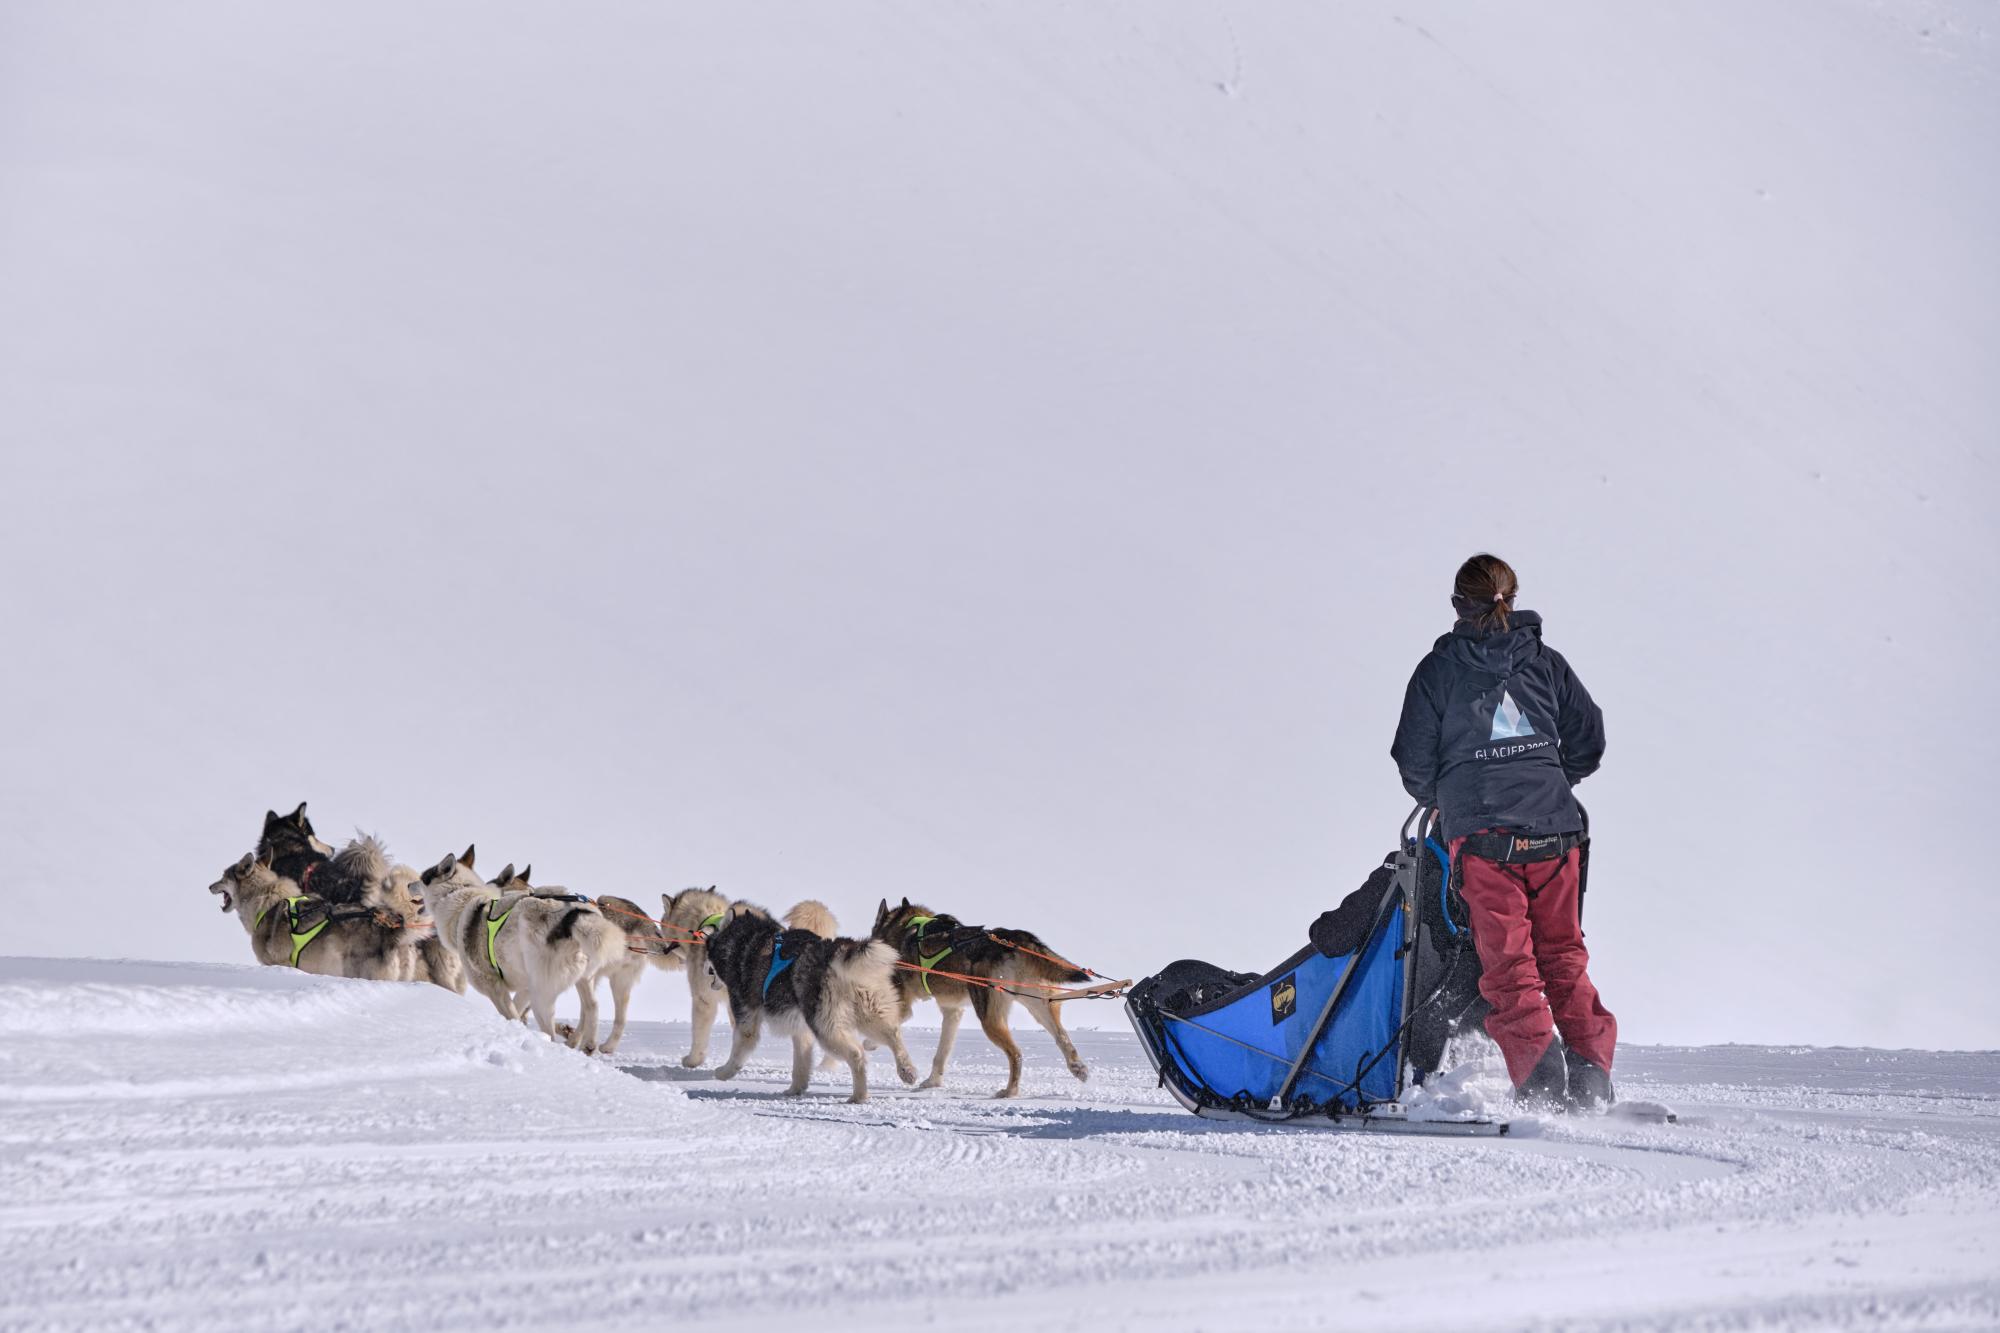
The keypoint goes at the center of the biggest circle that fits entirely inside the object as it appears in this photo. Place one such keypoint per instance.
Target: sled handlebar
(1419, 820)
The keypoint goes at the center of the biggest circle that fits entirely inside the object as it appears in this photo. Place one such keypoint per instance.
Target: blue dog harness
(778, 962)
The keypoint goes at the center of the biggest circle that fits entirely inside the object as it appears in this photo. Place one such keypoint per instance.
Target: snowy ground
(207, 1146)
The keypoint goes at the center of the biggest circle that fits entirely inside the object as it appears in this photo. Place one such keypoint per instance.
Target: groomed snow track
(233, 1148)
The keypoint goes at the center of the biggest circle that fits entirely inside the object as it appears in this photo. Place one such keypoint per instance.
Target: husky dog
(689, 915)
(642, 945)
(833, 991)
(510, 942)
(288, 928)
(435, 963)
(290, 845)
(944, 944)
(685, 915)
(358, 873)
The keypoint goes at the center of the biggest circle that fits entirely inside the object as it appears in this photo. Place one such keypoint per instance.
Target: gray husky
(836, 992)
(518, 948)
(289, 928)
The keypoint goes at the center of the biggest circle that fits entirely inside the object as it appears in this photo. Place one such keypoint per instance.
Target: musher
(1496, 730)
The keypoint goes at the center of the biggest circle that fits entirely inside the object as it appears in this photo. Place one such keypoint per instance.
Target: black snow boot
(1589, 1086)
(1547, 1084)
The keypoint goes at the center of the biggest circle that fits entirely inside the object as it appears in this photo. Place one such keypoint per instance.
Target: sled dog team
(354, 913)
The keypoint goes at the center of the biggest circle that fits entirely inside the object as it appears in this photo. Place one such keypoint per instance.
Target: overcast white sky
(1010, 456)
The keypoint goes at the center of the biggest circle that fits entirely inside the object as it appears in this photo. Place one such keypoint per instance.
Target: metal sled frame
(1290, 1106)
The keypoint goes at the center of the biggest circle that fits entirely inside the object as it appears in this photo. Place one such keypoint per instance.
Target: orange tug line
(1050, 958)
(1056, 994)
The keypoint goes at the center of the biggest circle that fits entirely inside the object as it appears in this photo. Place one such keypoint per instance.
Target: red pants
(1530, 944)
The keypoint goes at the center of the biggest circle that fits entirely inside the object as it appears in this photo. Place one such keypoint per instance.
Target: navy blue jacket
(1496, 729)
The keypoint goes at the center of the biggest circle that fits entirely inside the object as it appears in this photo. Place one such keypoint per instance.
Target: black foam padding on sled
(1183, 986)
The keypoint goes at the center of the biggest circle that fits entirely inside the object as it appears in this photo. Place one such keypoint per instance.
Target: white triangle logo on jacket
(1508, 719)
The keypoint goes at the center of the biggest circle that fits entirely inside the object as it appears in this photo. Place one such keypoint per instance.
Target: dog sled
(1338, 1033)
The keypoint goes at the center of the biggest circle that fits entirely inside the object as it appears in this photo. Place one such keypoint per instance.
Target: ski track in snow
(222, 1148)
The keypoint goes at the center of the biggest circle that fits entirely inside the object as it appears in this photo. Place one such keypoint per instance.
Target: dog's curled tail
(365, 858)
(595, 943)
(814, 917)
(868, 969)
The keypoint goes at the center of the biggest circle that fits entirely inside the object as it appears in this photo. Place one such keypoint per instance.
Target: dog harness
(709, 922)
(778, 961)
(923, 923)
(299, 940)
(493, 925)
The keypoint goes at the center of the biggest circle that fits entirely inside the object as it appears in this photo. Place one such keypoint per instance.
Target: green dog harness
(923, 923)
(299, 941)
(493, 924)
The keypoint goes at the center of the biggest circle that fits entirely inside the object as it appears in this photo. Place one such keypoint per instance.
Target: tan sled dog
(434, 962)
(684, 916)
(943, 944)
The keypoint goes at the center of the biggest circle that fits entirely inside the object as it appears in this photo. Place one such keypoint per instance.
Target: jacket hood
(1500, 651)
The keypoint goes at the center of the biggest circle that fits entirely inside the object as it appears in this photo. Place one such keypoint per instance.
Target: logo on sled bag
(1284, 998)
(1508, 720)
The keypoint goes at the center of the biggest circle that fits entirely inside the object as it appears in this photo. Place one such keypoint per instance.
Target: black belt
(1520, 849)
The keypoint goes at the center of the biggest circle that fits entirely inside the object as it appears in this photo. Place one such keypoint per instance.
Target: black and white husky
(644, 945)
(689, 917)
(518, 950)
(836, 992)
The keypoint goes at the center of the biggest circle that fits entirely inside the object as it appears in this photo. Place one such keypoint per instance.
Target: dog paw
(857, 1099)
(906, 1072)
(692, 1061)
(1005, 1093)
(727, 1072)
(932, 1082)
(1081, 1070)
(795, 1092)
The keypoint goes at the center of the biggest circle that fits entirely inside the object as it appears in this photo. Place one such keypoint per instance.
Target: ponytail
(1483, 593)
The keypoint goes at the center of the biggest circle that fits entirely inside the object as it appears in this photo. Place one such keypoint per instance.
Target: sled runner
(1329, 1035)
